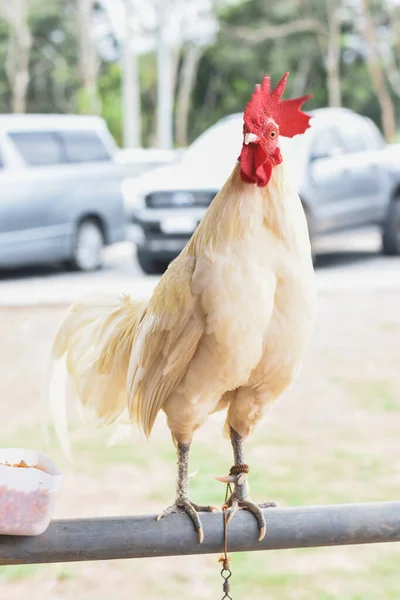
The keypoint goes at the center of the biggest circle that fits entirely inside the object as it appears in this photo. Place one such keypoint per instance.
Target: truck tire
(149, 264)
(88, 247)
(391, 229)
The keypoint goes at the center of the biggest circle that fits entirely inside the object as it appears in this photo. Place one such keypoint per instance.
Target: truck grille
(181, 199)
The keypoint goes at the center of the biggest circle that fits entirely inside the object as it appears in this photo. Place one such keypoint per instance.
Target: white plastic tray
(27, 495)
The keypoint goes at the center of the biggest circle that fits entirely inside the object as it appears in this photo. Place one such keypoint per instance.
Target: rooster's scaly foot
(185, 505)
(240, 499)
(234, 504)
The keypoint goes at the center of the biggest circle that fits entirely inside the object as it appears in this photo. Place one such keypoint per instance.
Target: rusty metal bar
(143, 536)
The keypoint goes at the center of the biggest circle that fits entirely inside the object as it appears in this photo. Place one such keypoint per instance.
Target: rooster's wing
(166, 341)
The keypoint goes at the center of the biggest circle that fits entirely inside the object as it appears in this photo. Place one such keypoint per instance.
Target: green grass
(368, 575)
(18, 572)
(293, 461)
(390, 326)
(374, 396)
(296, 467)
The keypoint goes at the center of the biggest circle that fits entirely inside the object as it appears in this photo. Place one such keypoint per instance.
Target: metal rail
(143, 536)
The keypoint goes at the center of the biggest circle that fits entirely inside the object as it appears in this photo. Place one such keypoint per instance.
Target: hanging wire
(226, 573)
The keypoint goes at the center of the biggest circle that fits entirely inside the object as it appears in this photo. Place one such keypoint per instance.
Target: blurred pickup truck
(60, 189)
(347, 177)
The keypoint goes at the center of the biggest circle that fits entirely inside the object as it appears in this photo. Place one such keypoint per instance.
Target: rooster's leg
(240, 499)
(182, 502)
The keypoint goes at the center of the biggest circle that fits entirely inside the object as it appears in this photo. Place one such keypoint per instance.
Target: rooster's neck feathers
(239, 210)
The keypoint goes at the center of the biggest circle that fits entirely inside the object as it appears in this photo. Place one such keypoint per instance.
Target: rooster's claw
(233, 504)
(185, 505)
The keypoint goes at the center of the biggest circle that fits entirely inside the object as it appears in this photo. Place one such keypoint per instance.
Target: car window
(206, 151)
(354, 133)
(375, 138)
(38, 148)
(83, 146)
(325, 142)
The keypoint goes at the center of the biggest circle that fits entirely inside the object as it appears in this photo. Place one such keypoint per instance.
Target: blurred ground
(333, 438)
(346, 261)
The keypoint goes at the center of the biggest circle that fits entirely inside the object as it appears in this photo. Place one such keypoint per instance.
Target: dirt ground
(333, 438)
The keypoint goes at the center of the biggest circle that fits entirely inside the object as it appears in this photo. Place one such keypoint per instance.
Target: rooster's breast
(289, 331)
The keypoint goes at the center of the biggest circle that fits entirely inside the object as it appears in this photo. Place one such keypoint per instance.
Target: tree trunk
(130, 85)
(377, 74)
(88, 62)
(391, 50)
(164, 83)
(333, 53)
(19, 45)
(186, 82)
(176, 57)
(301, 76)
(392, 72)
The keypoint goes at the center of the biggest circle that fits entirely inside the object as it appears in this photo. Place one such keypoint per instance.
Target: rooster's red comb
(287, 114)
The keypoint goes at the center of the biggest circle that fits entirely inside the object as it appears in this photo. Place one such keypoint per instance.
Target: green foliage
(148, 84)
(4, 87)
(231, 66)
(54, 81)
(109, 85)
(227, 71)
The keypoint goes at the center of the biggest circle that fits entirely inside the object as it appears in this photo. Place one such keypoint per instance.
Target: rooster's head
(266, 117)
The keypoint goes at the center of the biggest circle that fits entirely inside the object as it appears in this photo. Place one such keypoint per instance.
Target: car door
(328, 181)
(3, 225)
(96, 184)
(27, 196)
(366, 174)
(346, 177)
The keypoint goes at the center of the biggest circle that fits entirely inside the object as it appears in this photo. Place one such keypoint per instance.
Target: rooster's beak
(251, 138)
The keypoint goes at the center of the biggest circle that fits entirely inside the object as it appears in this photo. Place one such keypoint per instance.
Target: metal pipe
(143, 536)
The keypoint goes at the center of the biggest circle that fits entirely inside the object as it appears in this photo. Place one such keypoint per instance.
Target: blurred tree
(377, 73)
(323, 19)
(130, 81)
(164, 74)
(15, 12)
(5, 90)
(109, 86)
(55, 82)
(321, 43)
(333, 51)
(255, 38)
(191, 58)
(199, 24)
(148, 82)
(178, 31)
(389, 43)
(88, 58)
(214, 59)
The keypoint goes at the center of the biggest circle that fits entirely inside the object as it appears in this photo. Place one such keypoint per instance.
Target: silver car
(60, 190)
(347, 176)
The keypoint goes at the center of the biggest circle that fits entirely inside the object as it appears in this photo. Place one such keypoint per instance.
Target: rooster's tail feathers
(95, 341)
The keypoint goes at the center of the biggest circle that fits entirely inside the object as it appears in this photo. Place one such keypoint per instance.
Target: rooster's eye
(272, 134)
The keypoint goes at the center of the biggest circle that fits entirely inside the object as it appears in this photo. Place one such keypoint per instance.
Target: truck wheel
(88, 247)
(391, 229)
(149, 264)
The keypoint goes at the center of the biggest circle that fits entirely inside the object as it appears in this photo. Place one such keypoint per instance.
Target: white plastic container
(27, 493)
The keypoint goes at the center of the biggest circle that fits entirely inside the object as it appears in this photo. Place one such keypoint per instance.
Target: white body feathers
(226, 327)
